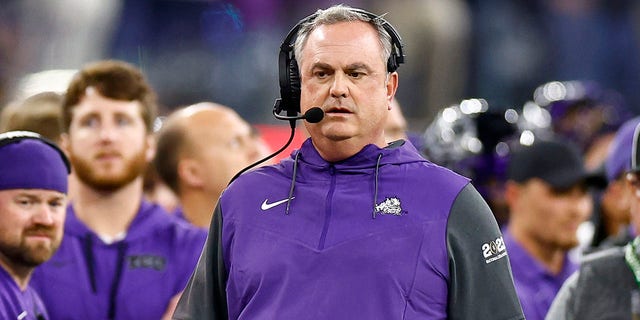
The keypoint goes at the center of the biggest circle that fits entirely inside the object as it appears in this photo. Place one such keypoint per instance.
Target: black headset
(17, 136)
(289, 76)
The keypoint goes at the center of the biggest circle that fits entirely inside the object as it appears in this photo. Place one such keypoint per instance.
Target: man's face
(107, 143)
(342, 71)
(616, 200)
(221, 144)
(31, 225)
(550, 217)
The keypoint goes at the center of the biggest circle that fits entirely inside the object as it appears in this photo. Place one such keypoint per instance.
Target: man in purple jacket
(349, 227)
(121, 257)
(33, 197)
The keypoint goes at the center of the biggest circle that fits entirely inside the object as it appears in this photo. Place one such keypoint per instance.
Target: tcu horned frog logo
(494, 250)
(391, 206)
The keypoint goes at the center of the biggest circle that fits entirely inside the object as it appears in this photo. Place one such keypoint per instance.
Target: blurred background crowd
(226, 51)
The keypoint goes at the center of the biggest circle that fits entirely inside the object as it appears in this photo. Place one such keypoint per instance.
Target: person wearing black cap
(546, 192)
(607, 283)
(33, 197)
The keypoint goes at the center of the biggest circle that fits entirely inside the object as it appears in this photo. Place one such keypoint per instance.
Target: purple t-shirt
(535, 285)
(18, 304)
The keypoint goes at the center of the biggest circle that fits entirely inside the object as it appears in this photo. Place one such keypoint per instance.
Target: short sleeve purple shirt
(535, 285)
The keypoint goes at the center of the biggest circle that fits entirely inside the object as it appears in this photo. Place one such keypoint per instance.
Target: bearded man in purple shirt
(33, 197)
(122, 257)
(349, 227)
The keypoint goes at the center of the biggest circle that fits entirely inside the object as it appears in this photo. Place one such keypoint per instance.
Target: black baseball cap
(556, 161)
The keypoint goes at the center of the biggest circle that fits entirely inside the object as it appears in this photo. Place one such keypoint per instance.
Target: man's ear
(65, 144)
(150, 147)
(511, 192)
(189, 173)
(392, 87)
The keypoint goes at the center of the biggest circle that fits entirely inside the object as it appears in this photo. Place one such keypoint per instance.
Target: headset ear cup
(294, 86)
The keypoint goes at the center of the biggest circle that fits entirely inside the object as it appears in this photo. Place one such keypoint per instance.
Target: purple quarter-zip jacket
(133, 278)
(384, 234)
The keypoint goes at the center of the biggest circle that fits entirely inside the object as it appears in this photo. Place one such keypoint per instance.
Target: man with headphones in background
(349, 227)
(33, 198)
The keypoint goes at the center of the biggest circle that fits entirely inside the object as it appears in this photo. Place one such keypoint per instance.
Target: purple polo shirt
(18, 304)
(535, 285)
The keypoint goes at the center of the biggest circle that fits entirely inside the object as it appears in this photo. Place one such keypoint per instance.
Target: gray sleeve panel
(604, 287)
(563, 304)
(205, 296)
(481, 284)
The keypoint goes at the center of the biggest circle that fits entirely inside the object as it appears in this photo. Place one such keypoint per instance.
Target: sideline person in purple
(547, 195)
(350, 227)
(33, 197)
(121, 257)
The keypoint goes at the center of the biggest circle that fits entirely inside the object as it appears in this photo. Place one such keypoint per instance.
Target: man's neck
(198, 207)
(20, 274)
(333, 151)
(108, 213)
(551, 257)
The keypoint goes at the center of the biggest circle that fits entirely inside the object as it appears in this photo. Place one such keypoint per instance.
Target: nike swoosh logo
(266, 205)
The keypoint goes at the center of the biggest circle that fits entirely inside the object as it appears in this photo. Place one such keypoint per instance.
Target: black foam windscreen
(294, 87)
(289, 75)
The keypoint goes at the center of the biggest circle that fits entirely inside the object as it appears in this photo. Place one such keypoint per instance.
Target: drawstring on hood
(375, 183)
(293, 181)
(87, 243)
(359, 162)
(122, 250)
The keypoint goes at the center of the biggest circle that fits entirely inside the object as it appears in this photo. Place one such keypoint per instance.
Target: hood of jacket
(397, 152)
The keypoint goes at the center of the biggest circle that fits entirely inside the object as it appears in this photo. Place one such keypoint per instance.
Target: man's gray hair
(342, 13)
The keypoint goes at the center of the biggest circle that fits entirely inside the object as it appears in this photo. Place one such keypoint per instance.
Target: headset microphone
(313, 115)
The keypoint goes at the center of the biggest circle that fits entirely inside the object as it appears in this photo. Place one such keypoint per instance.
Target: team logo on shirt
(390, 206)
(147, 261)
(494, 250)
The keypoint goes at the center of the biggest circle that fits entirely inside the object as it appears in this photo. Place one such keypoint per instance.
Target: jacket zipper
(328, 209)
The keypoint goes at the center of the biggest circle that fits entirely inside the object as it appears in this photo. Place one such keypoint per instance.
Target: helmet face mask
(475, 142)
